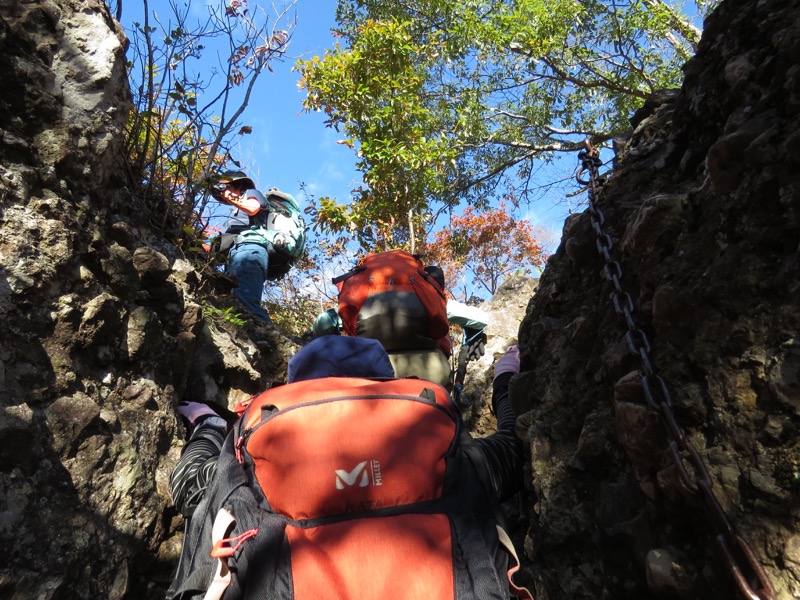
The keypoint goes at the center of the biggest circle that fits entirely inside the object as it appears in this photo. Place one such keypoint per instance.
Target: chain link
(744, 567)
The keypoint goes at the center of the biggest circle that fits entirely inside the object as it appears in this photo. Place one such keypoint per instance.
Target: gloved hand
(509, 362)
(192, 411)
(475, 341)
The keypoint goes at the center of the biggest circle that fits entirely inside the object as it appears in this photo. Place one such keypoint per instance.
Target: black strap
(347, 275)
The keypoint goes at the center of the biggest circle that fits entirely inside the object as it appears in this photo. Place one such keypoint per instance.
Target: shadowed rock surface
(703, 212)
(101, 326)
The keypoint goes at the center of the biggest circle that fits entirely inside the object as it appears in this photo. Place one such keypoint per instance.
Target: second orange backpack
(389, 296)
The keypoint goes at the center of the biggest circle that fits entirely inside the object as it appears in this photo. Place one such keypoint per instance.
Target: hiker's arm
(468, 317)
(197, 465)
(503, 450)
(250, 202)
(473, 321)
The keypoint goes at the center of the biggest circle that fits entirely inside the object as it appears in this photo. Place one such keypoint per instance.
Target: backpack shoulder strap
(510, 562)
(196, 567)
(344, 276)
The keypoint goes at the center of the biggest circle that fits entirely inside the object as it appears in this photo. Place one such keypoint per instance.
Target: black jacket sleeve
(196, 466)
(502, 451)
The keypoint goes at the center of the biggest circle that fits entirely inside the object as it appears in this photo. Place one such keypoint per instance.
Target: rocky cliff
(699, 296)
(105, 325)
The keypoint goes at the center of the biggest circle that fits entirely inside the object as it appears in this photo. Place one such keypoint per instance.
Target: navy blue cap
(340, 356)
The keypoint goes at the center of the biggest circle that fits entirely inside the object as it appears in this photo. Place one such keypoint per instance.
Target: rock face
(703, 213)
(506, 311)
(104, 326)
(101, 326)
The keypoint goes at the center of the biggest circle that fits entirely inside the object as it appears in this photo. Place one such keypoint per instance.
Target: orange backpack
(390, 297)
(347, 488)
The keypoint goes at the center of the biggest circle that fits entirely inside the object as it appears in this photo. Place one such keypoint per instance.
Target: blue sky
(289, 146)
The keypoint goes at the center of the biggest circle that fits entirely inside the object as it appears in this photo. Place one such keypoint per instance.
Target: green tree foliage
(373, 93)
(489, 85)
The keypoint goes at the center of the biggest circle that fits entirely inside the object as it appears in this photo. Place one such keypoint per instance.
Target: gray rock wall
(101, 324)
(703, 211)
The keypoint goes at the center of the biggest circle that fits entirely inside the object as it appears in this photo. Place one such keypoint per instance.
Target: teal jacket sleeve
(470, 317)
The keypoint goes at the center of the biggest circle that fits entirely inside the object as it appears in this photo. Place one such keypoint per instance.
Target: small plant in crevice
(222, 314)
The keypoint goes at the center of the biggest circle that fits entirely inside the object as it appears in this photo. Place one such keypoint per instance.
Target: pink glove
(509, 362)
(191, 411)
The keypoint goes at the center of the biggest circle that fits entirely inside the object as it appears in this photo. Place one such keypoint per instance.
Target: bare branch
(605, 83)
(689, 32)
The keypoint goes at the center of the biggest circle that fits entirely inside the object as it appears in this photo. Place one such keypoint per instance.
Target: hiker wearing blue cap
(324, 357)
(341, 478)
(339, 356)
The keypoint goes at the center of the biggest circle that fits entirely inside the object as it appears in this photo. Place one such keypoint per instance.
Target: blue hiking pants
(249, 263)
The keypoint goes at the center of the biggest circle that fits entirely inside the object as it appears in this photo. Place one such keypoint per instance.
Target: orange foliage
(485, 246)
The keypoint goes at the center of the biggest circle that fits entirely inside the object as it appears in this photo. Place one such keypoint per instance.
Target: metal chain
(740, 560)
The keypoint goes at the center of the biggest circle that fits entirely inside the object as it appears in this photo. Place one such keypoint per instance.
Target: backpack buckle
(227, 547)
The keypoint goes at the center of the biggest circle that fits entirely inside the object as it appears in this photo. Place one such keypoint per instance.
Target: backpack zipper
(241, 441)
(227, 547)
(238, 448)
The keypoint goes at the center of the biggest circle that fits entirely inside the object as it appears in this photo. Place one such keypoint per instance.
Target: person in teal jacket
(247, 261)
